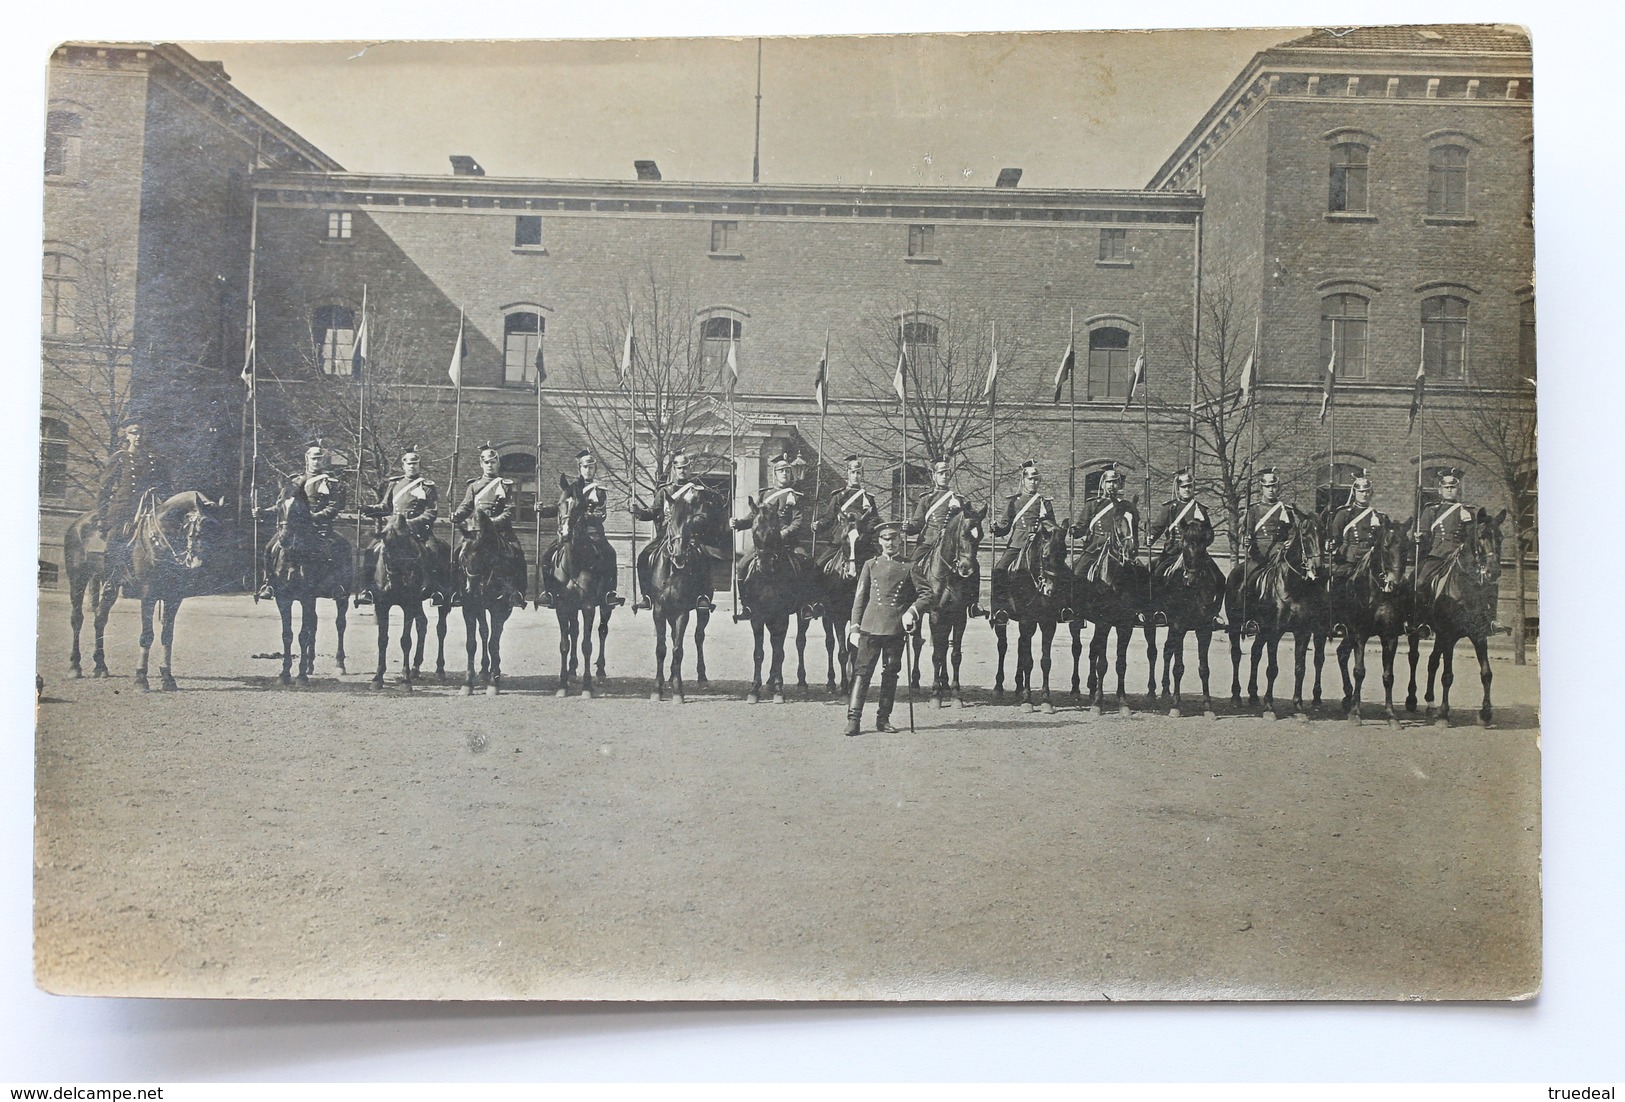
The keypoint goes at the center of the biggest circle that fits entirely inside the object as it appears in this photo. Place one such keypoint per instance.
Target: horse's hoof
(378, 683)
(1174, 713)
(959, 702)
(778, 698)
(492, 690)
(587, 693)
(752, 698)
(1210, 714)
(1442, 722)
(283, 679)
(1094, 709)
(341, 668)
(944, 702)
(1027, 706)
(1271, 716)
(560, 694)
(1049, 708)
(100, 672)
(141, 683)
(1301, 717)
(702, 682)
(466, 690)
(1355, 719)
(1484, 722)
(1393, 723)
(304, 681)
(76, 671)
(1124, 710)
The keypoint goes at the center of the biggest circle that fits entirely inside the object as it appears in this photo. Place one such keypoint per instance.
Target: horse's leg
(442, 612)
(341, 615)
(678, 630)
(1481, 645)
(566, 624)
(421, 620)
(1003, 645)
(801, 648)
(602, 672)
(1150, 629)
(166, 641)
(777, 629)
(757, 625)
(1260, 642)
(701, 619)
(588, 614)
(147, 604)
(1300, 655)
(1344, 649)
(284, 608)
(1076, 628)
(1204, 640)
(659, 609)
(1234, 631)
(1024, 661)
(1125, 636)
(1174, 642)
(408, 670)
(380, 613)
(1447, 677)
(829, 649)
(1046, 640)
(1097, 667)
(941, 637)
(470, 640)
(1319, 637)
(1358, 635)
(1434, 656)
(76, 616)
(307, 638)
(918, 643)
(1413, 653)
(1272, 647)
(1390, 647)
(958, 637)
(105, 597)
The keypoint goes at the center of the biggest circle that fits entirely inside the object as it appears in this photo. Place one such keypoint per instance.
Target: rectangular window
(1447, 181)
(724, 237)
(922, 241)
(339, 225)
(1444, 337)
(1114, 246)
(527, 231)
(1343, 333)
(1348, 184)
(521, 347)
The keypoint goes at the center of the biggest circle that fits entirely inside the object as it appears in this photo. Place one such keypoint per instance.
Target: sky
(1072, 109)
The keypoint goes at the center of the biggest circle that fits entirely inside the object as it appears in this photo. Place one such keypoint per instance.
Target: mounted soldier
(852, 499)
(495, 497)
(787, 516)
(678, 486)
(1447, 534)
(594, 496)
(935, 506)
(1269, 526)
(1169, 526)
(134, 472)
(415, 498)
(1352, 534)
(1023, 513)
(1109, 528)
(326, 498)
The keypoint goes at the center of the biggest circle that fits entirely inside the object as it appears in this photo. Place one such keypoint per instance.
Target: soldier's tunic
(326, 497)
(885, 590)
(848, 501)
(1110, 529)
(1022, 515)
(494, 497)
(1268, 527)
(787, 518)
(1172, 521)
(1447, 529)
(931, 517)
(417, 500)
(1352, 533)
(129, 476)
(666, 493)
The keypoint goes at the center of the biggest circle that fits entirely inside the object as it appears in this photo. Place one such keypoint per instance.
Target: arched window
(64, 136)
(1109, 363)
(1343, 332)
(1334, 493)
(332, 328)
(1447, 181)
(717, 332)
(59, 298)
(1444, 337)
(522, 333)
(53, 459)
(1350, 161)
(521, 467)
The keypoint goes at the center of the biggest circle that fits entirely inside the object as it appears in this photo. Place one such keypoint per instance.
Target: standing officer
(1110, 527)
(786, 515)
(326, 498)
(495, 498)
(678, 486)
(883, 609)
(1443, 530)
(134, 471)
(1023, 512)
(413, 496)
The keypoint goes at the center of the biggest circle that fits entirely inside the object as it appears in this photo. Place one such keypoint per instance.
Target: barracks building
(1360, 198)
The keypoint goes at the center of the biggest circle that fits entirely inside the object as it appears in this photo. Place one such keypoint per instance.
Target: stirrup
(1159, 619)
(544, 599)
(1424, 631)
(644, 602)
(975, 610)
(742, 614)
(704, 604)
(363, 598)
(1000, 617)
(613, 600)
(1339, 631)
(1250, 628)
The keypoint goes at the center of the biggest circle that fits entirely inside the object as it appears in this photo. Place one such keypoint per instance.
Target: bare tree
(1495, 425)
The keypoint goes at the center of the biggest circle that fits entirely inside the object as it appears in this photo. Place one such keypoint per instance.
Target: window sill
(530, 250)
(726, 256)
(336, 240)
(1449, 220)
(922, 260)
(1350, 216)
(1114, 263)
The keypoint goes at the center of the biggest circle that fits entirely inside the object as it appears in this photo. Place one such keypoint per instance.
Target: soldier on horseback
(495, 498)
(1108, 526)
(850, 499)
(594, 495)
(414, 497)
(326, 498)
(1171, 520)
(678, 486)
(1268, 529)
(936, 505)
(1447, 535)
(786, 515)
(134, 472)
(1352, 534)
(1023, 513)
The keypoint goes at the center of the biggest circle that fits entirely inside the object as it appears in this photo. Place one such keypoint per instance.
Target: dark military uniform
(931, 517)
(326, 498)
(417, 499)
(1446, 529)
(596, 495)
(495, 498)
(787, 516)
(1107, 525)
(1351, 534)
(846, 501)
(130, 476)
(885, 590)
(1170, 525)
(1023, 513)
(667, 492)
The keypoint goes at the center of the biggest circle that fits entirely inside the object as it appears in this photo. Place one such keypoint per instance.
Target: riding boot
(1001, 596)
(888, 697)
(854, 707)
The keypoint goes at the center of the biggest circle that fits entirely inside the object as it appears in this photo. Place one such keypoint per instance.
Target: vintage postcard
(1044, 516)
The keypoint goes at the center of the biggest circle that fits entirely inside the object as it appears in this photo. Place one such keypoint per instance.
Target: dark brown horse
(579, 574)
(776, 588)
(485, 563)
(1040, 589)
(1186, 593)
(1456, 606)
(169, 543)
(835, 581)
(84, 555)
(302, 566)
(678, 572)
(1111, 589)
(399, 580)
(1285, 595)
(947, 576)
(1371, 600)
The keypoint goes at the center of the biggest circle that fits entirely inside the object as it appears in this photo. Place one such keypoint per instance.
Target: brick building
(1366, 192)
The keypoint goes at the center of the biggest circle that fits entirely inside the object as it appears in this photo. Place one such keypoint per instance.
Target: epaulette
(473, 480)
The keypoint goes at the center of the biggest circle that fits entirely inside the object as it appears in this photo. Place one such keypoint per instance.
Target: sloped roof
(1491, 38)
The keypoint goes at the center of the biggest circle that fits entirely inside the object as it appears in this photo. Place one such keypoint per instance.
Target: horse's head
(763, 532)
(187, 521)
(856, 541)
(1489, 543)
(685, 516)
(1047, 547)
(1388, 557)
(1193, 557)
(1303, 548)
(961, 538)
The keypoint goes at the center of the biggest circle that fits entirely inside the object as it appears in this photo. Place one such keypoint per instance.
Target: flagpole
(1421, 447)
(1252, 474)
(631, 375)
(360, 422)
(733, 504)
(1072, 419)
(902, 396)
(536, 503)
(993, 429)
(1145, 404)
(254, 455)
(823, 366)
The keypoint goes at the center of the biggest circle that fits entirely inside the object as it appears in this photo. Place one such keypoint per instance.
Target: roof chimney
(1008, 177)
(464, 165)
(647, 170)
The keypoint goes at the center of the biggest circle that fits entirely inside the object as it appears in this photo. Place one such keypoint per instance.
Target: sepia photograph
(998, 517)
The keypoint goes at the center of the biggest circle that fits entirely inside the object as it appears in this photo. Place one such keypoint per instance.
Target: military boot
(854, 706)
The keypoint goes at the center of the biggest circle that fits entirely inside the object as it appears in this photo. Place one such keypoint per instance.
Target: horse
(168, 545)
(399, 580)
(1185, 594)
(579, 573)
(835, 578)
(776, 589)
(1285, 595)
(1371, 601)
(1040, 587)
(302, 567)
(678, 571)
(945, 575)
(438, 549)
(1110, 589)
(485, 562)
(1460, 596)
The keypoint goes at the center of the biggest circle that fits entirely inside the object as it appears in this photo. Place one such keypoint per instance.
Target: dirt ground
(240, 839)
